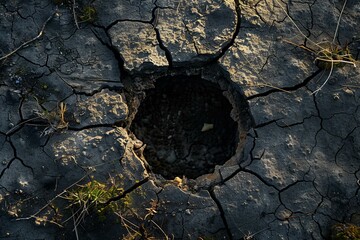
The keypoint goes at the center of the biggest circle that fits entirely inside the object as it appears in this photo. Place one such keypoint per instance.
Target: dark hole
(187, 127)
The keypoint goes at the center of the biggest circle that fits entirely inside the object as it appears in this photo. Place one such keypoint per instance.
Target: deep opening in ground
(186, 124)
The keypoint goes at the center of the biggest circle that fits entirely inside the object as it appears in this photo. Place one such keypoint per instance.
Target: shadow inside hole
(185, 123)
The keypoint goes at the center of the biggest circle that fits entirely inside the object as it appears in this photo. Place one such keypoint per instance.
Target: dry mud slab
(178, 119)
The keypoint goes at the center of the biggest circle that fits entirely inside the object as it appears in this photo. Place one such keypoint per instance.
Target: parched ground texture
(71, 82)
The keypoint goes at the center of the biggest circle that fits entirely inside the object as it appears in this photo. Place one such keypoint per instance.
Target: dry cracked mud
(157, 119)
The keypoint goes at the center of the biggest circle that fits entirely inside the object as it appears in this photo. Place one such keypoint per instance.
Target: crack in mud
(289, 89)
(335, 164)
(222, 213)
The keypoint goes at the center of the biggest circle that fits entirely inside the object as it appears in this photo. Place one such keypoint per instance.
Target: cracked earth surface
(295, 172)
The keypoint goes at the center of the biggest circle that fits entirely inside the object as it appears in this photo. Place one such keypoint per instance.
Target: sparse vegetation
(146, 229)
(56, 119)
(94, 196)
(342, 231)
(334, 56)
(328, 55)
(81, 11)
(88, 14)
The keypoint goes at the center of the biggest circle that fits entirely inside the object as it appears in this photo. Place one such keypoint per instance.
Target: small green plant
(88, 14)
(96, 196)
(343, 231)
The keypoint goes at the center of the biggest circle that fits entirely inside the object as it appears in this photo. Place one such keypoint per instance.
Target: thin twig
(258, 75)
(335, 61)
(268, 85)
(74, 14)
(75, 226)
(161, 230)
(19, 124)
(327, 79)
(252, 235)
(178, 6)
(338, 23)
(72, 214)
(128, 228)
(296, 26)
(350, 86)
(300, 46)
(31, 40)
(53, 199)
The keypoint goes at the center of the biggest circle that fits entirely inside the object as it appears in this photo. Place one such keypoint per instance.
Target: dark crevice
(266, 123)
(107, 28)
(320, 229)
(163, 47)
(92, 93)
(45, 143)
(28, 60)
(266, 62)
(25, 165)
(296, 123)
(258, 13)
(291, 185)
(225, 48)
(110, 125)
(341, 113)
(154, 16)
(222, 213)
(16, 156)
(312, 16)
(259, 177)
(189, 32)
(321, 122)
(108, 43)
(127, 191)
(233, 174)
(289, 89)
(7, 167)
(317, 109)
(316, 141)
